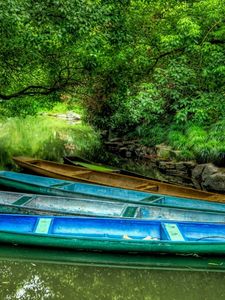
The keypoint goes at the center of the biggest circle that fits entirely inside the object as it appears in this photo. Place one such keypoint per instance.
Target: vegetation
(204, 145)
(147, 69)
(51, 139)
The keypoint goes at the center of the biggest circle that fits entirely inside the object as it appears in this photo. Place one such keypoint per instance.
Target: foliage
(200, 144)
(138, 67)
(51, 139)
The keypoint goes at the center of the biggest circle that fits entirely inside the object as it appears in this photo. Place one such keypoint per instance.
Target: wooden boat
(85, 163)
(16, 203)
(113, 235)
(51, 186)
(56, 170)
(33, 255)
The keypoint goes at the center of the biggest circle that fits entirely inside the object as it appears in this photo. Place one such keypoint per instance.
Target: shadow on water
(28, 274)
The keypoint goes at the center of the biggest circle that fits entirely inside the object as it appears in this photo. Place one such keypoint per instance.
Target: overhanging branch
(33, 90)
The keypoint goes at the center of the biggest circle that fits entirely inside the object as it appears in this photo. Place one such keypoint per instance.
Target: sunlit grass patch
(44, 138)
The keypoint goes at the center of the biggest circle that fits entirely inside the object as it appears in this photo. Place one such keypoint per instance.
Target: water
(35, 280)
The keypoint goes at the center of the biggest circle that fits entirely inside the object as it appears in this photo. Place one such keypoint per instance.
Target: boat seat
(22, 200)
(61, 184)
(130, 212)
(147, 186)
(173, 232)
(153, 199)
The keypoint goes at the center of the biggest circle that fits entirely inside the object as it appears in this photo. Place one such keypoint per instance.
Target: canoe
(113, 235)
(18, 203)
(85, 163)
(51, 256)
(61, 171)
(56, 187)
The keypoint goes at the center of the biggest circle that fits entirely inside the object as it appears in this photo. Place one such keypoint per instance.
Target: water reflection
(34, 280)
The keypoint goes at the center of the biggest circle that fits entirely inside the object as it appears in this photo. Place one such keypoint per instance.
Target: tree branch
(39, 90)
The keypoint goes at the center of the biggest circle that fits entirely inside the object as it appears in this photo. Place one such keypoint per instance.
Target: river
(27, 275)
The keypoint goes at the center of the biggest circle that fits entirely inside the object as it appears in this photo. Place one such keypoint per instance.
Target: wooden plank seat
(146, 186)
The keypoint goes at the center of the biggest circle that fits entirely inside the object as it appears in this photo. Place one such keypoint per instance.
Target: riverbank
(161, 162)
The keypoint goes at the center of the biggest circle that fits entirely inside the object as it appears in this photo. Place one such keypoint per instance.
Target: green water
(32, 280)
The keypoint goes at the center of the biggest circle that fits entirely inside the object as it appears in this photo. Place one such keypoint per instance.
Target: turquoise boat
(47, 256)
(16, 203)
(57, 187)
(114, 235)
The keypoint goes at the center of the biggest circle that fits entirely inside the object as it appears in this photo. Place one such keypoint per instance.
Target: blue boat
(113, 235)
(17, 203)
(57, 187)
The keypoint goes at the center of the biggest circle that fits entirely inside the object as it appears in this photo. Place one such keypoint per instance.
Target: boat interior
(104, 178)
(113, 229)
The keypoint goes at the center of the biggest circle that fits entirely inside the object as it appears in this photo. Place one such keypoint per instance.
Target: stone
(163, 151)
(215, 182)
(197, 171)
(208, 170)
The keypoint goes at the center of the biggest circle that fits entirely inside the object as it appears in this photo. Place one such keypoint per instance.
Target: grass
(45, 138)
(202, 144)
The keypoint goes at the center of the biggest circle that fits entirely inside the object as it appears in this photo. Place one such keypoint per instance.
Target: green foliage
(151, 135)
(200, 144)
(139, 67)
(177, 139)
(146, 107)
(25, 107)
(51, 139)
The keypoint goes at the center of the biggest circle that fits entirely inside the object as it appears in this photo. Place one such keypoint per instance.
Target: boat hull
(113, 235)
(56, 187)
(113, 246)
(60, 171)
(15, 203)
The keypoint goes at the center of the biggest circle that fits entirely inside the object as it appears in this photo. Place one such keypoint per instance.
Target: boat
(20, 203)
(66, 172)
(56, 187)
(34, 255)
(113, 235)
(85, 163)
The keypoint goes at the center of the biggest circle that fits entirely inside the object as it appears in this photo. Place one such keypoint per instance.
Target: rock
(208, 170)
(215, 182)
(196, 176)
(209, 177)
(70, 116)
(163, 151)
(187, 173)
(74, 116)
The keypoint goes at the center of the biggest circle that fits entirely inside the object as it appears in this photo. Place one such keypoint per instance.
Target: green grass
(202, 144)
(64, 107)
(45, 138)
